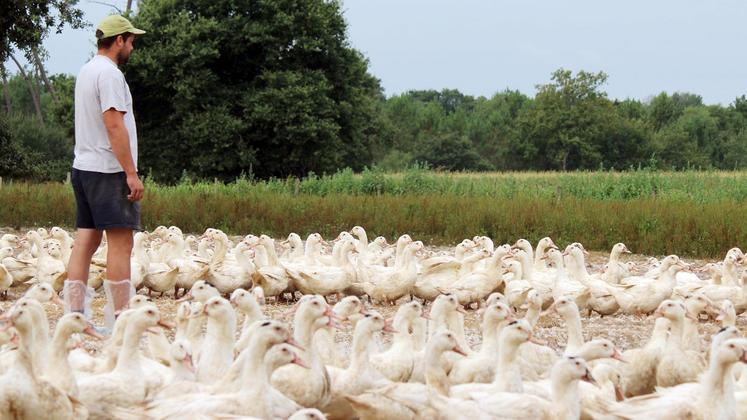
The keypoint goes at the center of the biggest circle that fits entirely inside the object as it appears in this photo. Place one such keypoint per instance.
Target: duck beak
(588, 378)
(691, 317)
(459, 350)
(388, 327)
(619, 394)
(743, 359)
(537, 341)
(294, 343)
(57, 301)
(618, 356)
(331, 314)
(551, 310)
(297, 361)
(186, 297)
(166, 325)
(461, 309)
(89, 330)
(426, 315)
(189, 364)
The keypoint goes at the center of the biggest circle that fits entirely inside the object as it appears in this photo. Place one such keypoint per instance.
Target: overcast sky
(482, 47)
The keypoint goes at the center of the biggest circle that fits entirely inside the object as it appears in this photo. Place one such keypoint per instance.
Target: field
(696, 214)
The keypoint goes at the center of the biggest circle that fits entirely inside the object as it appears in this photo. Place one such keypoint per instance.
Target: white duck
(360, 375)
(480, 366)
(216, 358)
(676, 364)
(565, 401)
(308, 387)
(403, 400)
(247, 304)
(58, 371)
(6, 279)
(599, 298)
(50, 268)
(397, 362)
(349, 309)
(643, 295)
(225, 275)
(388, 287)
(710, 398)
(126, 385)
(22, 393)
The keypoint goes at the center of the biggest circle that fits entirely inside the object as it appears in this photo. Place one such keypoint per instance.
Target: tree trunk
(129, 7)
(40, 67)
(6, 90)
(34, 95)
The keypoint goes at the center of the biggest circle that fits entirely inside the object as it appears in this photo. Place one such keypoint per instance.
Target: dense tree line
(224, 88)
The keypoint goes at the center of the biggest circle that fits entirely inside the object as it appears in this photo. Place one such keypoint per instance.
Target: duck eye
(264, 324)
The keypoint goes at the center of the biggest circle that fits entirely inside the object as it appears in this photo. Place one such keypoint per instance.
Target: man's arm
(120, 141)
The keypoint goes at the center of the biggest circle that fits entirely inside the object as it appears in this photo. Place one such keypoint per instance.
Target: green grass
(688, 213)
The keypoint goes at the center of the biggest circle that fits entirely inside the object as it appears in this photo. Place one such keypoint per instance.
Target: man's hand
(136, 187)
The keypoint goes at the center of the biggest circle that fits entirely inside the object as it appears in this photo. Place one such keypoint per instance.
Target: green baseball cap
(116, 25)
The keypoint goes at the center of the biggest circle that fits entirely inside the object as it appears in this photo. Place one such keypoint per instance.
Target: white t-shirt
(99, 87)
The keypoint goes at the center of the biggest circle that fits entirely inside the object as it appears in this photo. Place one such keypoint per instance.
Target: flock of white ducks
(228, 359)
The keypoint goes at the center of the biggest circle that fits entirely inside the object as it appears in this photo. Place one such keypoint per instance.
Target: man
(104, 176)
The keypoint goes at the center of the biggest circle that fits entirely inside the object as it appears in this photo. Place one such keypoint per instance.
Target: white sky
(482, 47)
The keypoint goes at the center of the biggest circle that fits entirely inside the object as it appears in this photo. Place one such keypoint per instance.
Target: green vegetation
(687, 213)
(278, 91)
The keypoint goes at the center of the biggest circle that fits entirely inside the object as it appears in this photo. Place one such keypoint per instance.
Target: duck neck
(527, 269)
(538, 261)
(252, 313)
(491, 333)
(259, 261)
(219, 253)
(718, 384)
(141, 256)
(221, 330)
(674, 341)
(575, 336)
(359, 356)
(57, 354)
(566, 400)
(435, 375)
(729, 275)
(398, 254)
(532, 315)
(129, 355)
(577, 270)
(310, 249)
(362, 244)
(251, 363)
(24, 361)
(614, 256)
(508, 374)
(272, 256)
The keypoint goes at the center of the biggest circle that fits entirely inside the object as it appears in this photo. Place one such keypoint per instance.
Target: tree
(568, 124)
(25, 23)
(268, 87)
(451, 152)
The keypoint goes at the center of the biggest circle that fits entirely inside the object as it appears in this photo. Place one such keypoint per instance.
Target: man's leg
(85, 245)
(117, 284)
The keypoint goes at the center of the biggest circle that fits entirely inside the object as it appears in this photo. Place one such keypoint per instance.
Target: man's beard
(122, 58)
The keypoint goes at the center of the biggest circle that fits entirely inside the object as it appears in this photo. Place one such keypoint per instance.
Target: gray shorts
(101, 201)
